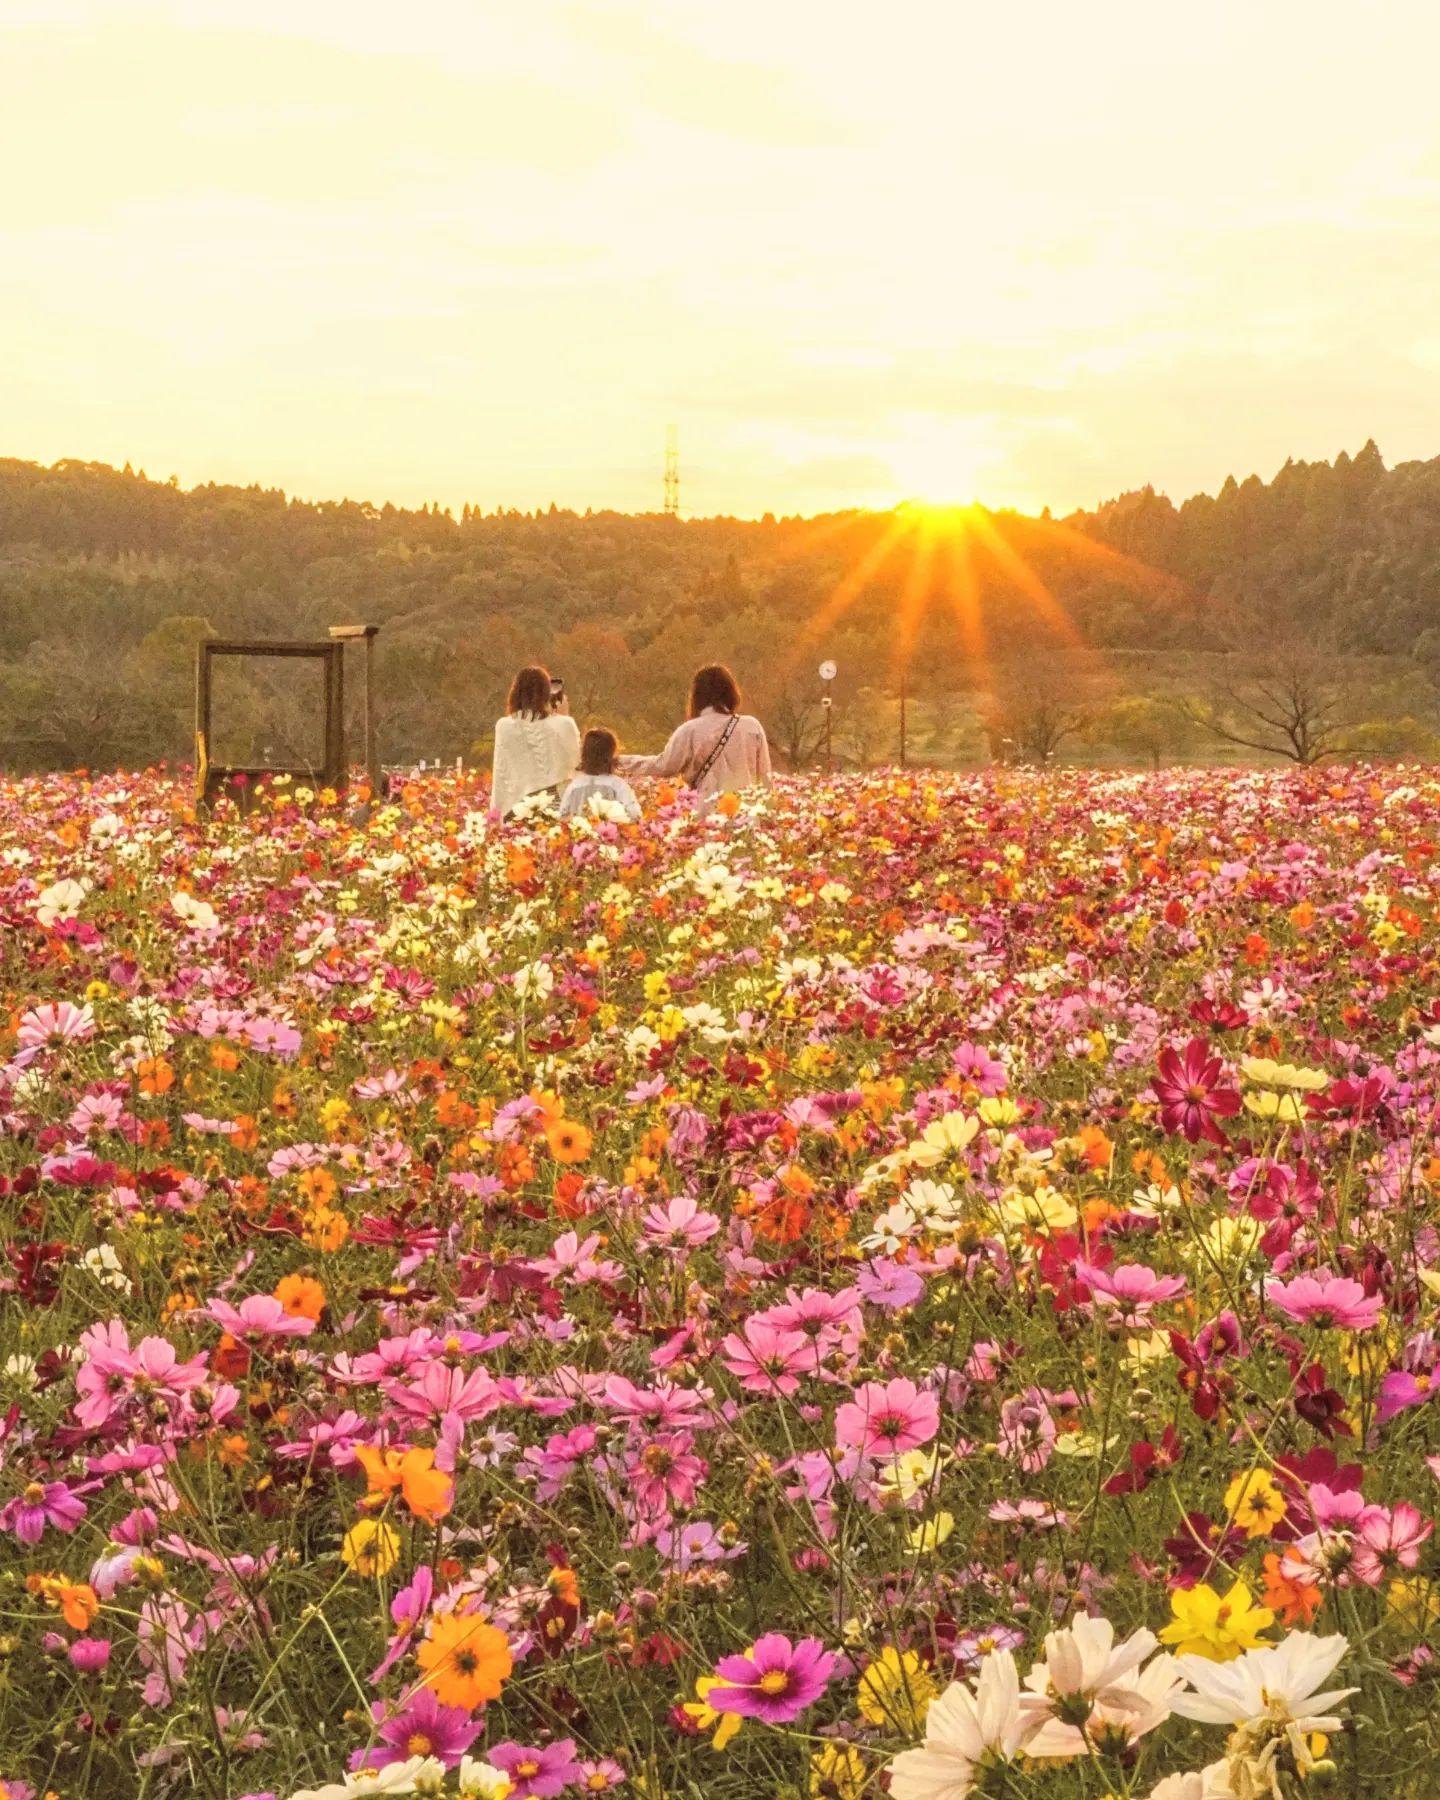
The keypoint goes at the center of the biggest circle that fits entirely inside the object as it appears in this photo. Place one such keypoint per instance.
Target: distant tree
(1142, 727)
(1405, 739)
(1284, 695)
(1035, 707)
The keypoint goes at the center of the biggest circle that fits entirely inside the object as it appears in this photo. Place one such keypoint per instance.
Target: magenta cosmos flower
(1323, 1299)
(537, 1773)
(422, 1728)
(43, 1503)
(775, 1681)
(1190, 1089)
(887, 1418)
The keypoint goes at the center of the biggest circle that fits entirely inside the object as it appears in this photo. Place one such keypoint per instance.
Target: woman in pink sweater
(718, 748)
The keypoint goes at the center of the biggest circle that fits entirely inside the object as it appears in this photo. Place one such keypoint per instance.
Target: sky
(487, 250)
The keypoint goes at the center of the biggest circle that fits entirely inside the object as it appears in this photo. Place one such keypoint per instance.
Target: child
(597, 778)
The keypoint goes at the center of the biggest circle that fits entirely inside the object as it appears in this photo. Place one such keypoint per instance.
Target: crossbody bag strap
(713, 757)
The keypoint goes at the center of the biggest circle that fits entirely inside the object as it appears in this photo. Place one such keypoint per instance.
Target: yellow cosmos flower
(371, 1548)
(1254, 1502)
(1265, 1073)
(837, 1772)
(896, 1690)
(926, 1538)
(1044, 1210)
(705, 1716)
(1206, 1625)
(1285, 1108)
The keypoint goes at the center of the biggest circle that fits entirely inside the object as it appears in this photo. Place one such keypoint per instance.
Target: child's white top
(585, 788)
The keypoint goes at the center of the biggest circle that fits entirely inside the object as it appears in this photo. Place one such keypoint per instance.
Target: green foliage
(107, 579)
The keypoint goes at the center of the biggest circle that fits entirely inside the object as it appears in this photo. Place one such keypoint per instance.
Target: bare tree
(1034, 707)
(1287, 696)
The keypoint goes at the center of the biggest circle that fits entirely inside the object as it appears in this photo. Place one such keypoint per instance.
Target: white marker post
(828, 672)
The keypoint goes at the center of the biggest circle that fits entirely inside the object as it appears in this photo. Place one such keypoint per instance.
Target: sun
(940, 518)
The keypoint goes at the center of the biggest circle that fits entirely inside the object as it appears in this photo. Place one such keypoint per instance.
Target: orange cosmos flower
(301, 1296)
(77, 1600)
(154, 1075)
(426, 1490)
(317, 1186)
(466, 1661)
(326, 1229)
(1296, 1602)
(569, 1141)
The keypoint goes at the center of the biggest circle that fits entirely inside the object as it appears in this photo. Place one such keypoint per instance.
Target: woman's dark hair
(530, 693)
(597, 753)
(715, 686)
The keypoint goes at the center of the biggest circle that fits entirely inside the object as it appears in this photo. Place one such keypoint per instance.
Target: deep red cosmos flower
(1192, 1092)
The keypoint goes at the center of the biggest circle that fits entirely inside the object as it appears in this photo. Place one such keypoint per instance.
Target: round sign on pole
(827, 671)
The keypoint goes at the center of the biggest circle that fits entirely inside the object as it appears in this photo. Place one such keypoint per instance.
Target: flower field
(918, 1286)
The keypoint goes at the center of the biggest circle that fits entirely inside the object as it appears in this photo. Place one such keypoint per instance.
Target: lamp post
(827, 675)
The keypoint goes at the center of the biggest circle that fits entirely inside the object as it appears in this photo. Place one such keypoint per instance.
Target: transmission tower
(672, 471)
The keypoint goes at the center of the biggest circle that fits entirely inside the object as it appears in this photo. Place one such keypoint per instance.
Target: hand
(561, 703)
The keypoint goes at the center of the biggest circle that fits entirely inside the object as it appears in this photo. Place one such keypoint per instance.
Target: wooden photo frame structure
(212, 779)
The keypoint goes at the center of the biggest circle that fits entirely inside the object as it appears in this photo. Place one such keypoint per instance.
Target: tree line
(1297, 618)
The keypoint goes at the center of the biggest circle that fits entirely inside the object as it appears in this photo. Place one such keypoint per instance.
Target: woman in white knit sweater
(537, 743)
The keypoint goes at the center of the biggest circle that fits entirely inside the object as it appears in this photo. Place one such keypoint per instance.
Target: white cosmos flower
(1195, 1784)
(1144, 1702)
(199, 915)
(535, 981)
(417, 1773)
(482, 1780)
(1275, 1699)
(1280, 1682)
(893, 1227)
(61, 900)
(1084, 1662)
(963, 1730)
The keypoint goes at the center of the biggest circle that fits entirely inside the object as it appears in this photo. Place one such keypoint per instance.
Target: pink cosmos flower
(1388, 1540)
(408, 1612)
(113, 1374)
(1403, 1388)
(422, 1727)
(775, 1681)
(1027, 1431)
(887, 1418)
(1332, 1301)
(1130, 1290)
(767, 1361)
(599, 1777)
(54, 1025)
(257, 1316)
(680, 1225)
(90, 1655)
(42, 1504)
(665, 1473)
(443, 1392)
(537, 1773)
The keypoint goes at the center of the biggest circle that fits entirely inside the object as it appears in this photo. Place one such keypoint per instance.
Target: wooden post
(348, 634)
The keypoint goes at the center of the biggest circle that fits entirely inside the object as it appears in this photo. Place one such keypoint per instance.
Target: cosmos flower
(1334, 1302)
(422, 1727)
(964, 1728)
(887, 1418)
(1191, 1089)
(774, 1680)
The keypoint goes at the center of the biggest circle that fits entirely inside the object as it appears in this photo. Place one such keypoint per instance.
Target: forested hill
(107, 578)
